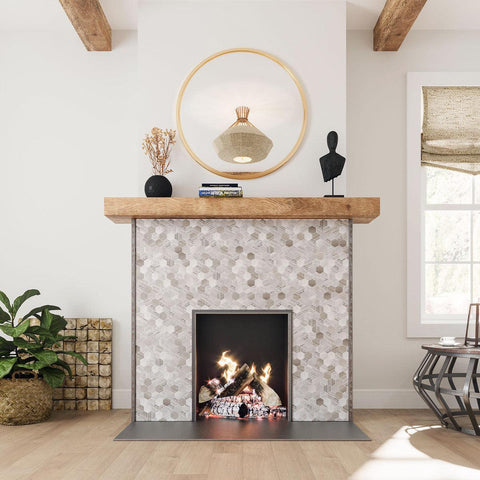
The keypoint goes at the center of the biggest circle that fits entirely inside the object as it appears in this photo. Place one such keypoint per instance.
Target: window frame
(416, 326)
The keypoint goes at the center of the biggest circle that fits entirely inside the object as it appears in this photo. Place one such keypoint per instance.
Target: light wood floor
(73, 445)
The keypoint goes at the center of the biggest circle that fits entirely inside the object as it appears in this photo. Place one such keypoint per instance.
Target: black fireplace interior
(247, 337)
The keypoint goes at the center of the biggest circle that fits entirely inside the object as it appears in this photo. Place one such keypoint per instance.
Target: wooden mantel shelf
(358, 209)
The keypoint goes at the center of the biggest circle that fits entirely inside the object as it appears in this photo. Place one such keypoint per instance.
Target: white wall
(384, 359)
(174, 36)
(68, 137)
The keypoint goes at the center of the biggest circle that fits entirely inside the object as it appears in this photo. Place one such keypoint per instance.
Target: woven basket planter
(24, 400)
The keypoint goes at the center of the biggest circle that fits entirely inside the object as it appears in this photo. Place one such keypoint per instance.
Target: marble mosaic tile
(298, 265)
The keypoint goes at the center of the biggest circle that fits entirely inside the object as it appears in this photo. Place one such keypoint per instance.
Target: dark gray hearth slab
(220, 429)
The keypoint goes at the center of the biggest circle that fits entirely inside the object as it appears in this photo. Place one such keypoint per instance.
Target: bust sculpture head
(332, 163)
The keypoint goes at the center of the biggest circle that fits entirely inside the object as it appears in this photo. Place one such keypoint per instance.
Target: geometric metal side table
(449, 389)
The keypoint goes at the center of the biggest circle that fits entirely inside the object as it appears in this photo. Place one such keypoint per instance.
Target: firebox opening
(241, 364)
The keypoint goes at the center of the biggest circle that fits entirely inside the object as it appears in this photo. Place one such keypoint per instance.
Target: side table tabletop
(447, 381)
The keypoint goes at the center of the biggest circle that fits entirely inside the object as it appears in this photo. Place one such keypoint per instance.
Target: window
(450, 244)
(443, 227)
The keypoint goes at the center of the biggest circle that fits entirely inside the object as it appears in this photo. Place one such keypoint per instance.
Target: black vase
(158, 186)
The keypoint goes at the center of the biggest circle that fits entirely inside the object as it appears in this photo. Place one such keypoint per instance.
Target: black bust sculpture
(332, 163)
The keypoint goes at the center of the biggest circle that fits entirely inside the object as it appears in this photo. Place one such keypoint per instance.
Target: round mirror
(241, 113)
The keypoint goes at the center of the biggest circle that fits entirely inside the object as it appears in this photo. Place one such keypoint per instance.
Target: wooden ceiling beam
(394, 23)
(89, 21)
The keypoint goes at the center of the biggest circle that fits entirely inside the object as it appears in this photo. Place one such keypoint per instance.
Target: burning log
(246, 405)
(268, 394)
(247, 376)
(243, 377)
(210, 390)
(245, 393)
(205, 394)
(229, 407)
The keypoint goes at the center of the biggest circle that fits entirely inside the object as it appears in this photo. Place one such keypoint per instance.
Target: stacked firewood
(246, 395)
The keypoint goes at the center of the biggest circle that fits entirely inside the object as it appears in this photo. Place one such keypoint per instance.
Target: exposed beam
(394, 23)
(89, 21)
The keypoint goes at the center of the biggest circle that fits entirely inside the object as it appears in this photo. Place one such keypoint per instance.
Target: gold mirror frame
(241, 175)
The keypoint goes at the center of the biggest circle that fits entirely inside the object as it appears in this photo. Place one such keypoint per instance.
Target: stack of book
(220, 190)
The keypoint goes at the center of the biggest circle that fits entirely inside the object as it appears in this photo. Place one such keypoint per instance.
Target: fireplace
(200, 266)
(228, 263)
(241, 364)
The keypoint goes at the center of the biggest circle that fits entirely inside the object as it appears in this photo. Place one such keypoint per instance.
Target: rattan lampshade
(242, 142)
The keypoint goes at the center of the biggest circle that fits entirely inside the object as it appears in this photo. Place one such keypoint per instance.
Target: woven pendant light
(242, 142)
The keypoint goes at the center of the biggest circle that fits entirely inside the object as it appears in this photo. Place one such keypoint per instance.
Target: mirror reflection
(241, 113)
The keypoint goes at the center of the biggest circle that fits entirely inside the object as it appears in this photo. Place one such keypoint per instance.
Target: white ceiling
(122, 14)
(49, 15)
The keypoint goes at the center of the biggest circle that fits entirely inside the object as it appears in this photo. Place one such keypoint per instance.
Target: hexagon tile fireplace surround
(261, 285)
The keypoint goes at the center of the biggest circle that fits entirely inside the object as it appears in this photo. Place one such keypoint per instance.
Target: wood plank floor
(406, 444)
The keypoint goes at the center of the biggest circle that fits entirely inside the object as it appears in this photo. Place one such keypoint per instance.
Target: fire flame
(230, 364)
(253, 369)
(267, 369)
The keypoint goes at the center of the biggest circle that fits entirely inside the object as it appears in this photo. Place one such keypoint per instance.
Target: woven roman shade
(451, 128)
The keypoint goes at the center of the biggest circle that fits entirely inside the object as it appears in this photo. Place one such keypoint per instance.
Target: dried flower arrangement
(157, 146)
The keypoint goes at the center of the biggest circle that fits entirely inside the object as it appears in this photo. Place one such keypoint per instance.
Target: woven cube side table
(91, 385)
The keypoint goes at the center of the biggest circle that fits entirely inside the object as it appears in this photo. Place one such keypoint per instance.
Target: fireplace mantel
(242, 254)
(358, 209)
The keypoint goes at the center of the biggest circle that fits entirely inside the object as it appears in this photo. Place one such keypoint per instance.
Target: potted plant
(157, 146)
(30, 366)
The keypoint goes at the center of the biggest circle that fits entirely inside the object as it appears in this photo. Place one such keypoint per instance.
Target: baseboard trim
(362, 398)
(386, 398)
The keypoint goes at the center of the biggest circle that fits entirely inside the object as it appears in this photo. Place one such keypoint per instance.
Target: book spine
(219, 193)
(219, 185)
(220, 189)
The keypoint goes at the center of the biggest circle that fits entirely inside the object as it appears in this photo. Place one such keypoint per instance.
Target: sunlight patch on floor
(398, 459)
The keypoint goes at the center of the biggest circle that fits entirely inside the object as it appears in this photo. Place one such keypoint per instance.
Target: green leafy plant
(33, 347)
